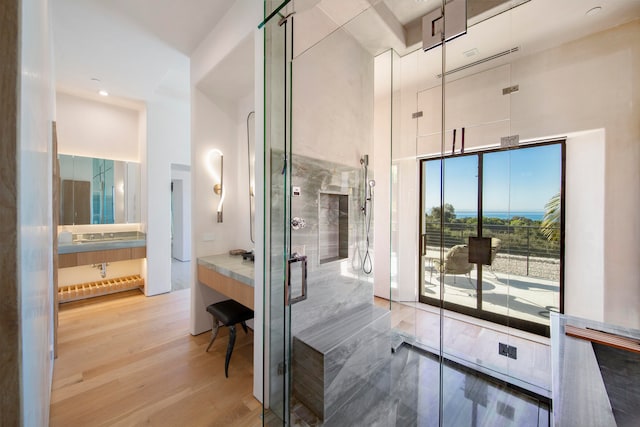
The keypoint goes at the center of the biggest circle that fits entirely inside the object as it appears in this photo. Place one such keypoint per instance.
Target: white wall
(245, 106)
(580, 86)
(168, 141)
(96, 129)
(333, 101)
(240, 21)
(35, 264)
(216, 129)
(592, 83)
(219, 124)
(383, 66)
(584, 226)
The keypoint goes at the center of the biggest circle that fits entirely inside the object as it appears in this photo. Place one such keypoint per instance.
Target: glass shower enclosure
(432, 172)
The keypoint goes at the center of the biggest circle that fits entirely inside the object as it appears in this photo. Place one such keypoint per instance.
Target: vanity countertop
(99, 245)
(231, 266)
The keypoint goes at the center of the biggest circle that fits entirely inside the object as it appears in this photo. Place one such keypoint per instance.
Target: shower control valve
(298, 223)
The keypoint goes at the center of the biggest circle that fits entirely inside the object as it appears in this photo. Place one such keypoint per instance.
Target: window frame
(505, 320)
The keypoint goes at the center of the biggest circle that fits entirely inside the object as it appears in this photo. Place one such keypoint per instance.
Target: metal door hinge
(454, 25)
(282, 368)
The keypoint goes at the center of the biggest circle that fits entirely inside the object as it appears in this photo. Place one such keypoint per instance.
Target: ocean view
(532, 215)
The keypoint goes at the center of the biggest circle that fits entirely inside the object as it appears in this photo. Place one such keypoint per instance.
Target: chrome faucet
(103, 269)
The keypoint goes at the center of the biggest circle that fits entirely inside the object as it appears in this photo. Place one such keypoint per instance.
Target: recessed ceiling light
(103, 93)
(594, 11)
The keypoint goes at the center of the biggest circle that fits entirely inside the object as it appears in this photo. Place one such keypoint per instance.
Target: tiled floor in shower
(408, 394)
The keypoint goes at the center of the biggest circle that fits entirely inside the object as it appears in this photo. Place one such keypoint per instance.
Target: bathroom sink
(109, 237)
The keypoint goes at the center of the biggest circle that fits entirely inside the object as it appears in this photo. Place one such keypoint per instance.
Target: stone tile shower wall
(334, 226)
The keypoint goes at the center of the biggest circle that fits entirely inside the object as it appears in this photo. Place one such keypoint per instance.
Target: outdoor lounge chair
(456, 261)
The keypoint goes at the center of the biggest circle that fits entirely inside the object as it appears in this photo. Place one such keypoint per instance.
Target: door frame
(521, 324)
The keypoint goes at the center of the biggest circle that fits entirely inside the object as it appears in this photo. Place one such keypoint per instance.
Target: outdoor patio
(506, 287)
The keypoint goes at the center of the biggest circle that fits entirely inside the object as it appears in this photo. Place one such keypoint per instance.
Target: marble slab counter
(229, 275)
(593, 384)
(232, 266)
(99, 245)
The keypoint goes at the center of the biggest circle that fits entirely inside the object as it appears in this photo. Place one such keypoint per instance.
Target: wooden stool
(228, 313)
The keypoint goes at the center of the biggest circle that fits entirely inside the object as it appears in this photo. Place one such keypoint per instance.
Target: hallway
(129, 360)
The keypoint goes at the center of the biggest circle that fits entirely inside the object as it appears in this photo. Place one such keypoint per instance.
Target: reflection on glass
(458, 216)
(98, 191)
(521, 214)
(521, 200)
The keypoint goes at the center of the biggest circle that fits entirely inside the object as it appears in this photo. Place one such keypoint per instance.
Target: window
(506, 207)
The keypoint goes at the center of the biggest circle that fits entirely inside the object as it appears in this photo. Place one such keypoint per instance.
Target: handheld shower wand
(364, 161)
(372, 183)
(367, 266)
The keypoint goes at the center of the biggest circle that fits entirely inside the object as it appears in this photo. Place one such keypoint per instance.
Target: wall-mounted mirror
(98, 191)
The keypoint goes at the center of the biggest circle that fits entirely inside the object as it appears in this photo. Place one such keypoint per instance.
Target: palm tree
(550, 226)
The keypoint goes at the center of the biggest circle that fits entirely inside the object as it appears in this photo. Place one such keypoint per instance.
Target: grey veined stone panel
(333, 361)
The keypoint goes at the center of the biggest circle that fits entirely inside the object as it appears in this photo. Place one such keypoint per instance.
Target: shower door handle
(302, 276)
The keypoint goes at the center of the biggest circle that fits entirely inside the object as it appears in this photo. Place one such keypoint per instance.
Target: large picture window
(492, 234)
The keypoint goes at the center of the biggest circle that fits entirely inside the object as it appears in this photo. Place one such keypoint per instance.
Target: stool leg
(232, 341)
(244, 326)
(214, 332)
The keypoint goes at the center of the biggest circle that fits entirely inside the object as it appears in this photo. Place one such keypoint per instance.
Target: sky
(514, 180)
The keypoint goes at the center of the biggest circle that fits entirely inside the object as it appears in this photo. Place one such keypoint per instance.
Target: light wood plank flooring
(128, 360)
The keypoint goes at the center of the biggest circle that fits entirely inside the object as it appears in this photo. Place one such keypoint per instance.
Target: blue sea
(532, 215)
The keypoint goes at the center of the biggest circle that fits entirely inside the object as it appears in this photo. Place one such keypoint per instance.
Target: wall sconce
(217, 188)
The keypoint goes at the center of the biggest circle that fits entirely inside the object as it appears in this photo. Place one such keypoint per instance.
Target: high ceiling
(494, 26)
(137, 49)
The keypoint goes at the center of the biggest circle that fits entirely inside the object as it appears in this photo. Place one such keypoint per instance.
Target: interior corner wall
(332, 103)
(584, 226)
(383, 77)
(96, 129)
(586, 84)
(214, 127)
(246, 105)
(596, 82)
(240, 21)
(168, 136)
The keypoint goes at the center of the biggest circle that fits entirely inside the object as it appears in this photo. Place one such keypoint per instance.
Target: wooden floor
(128, 360)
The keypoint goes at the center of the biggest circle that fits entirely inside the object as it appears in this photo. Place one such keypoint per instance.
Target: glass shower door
(326, 334)
(277, 217)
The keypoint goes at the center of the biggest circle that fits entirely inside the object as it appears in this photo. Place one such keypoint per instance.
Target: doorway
(180, 227)
(512, 201)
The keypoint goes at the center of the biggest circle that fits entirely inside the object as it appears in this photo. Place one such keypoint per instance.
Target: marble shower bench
(333, 360)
